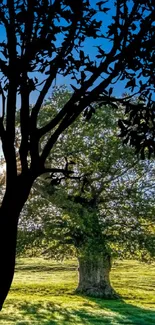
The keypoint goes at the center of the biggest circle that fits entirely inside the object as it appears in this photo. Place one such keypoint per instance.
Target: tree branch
(56, 170)
(55, 121)
(55, 64)
(24, 122)
(3, 138)
(11, 98)
(4, 68)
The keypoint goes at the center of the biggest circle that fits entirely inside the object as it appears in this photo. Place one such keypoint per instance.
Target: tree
(49, 38)
(104, 209)
(138, 127)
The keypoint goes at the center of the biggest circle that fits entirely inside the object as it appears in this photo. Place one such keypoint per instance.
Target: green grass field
(43, 294)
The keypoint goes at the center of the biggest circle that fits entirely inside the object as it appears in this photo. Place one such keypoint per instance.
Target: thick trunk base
(104, 292)
(94, 278)
(10, 209)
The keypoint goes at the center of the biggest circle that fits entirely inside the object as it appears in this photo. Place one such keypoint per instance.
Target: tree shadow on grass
(125, 313)
(45, 268)
(92, 312)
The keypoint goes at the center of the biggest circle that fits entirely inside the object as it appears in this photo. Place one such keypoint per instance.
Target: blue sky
(90, 48)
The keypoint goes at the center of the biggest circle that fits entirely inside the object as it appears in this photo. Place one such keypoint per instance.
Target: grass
(43, 294)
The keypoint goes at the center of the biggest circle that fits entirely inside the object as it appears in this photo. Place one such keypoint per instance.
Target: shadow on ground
(91, 312)
(44, 268)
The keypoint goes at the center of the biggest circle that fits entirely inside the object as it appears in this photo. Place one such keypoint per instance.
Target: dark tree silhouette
(47, 38)
(138, 127)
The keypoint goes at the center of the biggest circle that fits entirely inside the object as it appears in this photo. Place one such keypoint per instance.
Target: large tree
(41, 39)
(104, 209)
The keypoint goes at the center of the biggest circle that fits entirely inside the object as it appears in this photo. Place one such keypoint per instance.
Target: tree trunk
(94, 273)
(11, 207)
(8, 235)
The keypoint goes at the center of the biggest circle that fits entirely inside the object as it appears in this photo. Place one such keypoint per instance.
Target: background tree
(44, 39)
(104, 209)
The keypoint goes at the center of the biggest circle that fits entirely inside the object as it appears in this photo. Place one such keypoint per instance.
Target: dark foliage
(47, 38)
(138, 129)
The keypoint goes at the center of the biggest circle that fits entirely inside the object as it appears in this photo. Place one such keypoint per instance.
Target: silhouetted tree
(46, 38)
(138, 127)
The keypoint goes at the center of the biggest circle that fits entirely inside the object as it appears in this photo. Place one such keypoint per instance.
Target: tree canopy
(32, 43)
(40, 41)
(108, 192)
(101, 207)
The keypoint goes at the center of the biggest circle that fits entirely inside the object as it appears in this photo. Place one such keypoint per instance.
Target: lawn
(43, 294)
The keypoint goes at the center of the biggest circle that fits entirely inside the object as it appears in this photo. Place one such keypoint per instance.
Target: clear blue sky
(90, 48)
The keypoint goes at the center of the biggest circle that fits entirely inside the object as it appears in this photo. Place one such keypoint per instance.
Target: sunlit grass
(43, 294)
